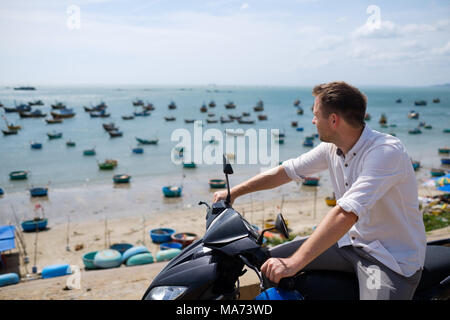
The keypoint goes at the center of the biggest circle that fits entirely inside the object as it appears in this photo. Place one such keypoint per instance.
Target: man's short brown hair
(344, 100)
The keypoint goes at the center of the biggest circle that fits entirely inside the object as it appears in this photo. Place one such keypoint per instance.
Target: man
(375, 230)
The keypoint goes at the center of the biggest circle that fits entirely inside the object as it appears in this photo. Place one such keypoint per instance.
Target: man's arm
(267, 180)
(335, 224)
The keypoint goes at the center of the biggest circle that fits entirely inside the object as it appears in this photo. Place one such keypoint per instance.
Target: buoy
(56, 270)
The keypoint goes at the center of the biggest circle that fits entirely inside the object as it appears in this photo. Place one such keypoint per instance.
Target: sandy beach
(66, 243)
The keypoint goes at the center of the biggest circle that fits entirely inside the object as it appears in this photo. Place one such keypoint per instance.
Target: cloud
(244, 6)
(385, 29)
(443, 51)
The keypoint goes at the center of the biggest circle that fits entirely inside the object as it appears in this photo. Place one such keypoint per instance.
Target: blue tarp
(7, 236)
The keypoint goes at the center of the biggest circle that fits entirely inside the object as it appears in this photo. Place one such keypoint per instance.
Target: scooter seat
(436, 267)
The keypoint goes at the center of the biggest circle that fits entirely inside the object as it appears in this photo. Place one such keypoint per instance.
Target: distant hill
(442, 85)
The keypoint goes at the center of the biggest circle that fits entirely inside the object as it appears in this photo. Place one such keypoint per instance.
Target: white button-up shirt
(376, 181)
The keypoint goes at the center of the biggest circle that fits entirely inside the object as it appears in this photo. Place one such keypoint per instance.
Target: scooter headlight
(166, 293)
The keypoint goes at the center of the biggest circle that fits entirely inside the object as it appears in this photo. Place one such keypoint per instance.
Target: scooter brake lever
(202, 202)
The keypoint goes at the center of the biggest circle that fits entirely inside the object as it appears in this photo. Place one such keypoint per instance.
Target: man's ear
(334, 118)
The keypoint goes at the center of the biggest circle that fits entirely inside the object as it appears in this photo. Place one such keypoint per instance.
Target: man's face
(321, 122)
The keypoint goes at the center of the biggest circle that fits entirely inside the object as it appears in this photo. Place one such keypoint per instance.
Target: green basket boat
(189, 165)
(121, 178)
(18, 175)
(217, 183)
(437, 172)
(444, 150)
(89, 152)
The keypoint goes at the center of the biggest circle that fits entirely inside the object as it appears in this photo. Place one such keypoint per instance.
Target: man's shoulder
(380, 140)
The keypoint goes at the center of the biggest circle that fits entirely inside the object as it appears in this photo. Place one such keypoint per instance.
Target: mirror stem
(228, 188)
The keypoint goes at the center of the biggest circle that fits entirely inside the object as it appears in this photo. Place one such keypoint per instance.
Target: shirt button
(346, 184)
(346, 165)
(353, 238)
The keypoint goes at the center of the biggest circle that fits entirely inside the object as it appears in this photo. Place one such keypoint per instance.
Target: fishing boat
(36, 145)
(58, 106)
(398, 100)
(241, 121)
(138, 103)
(11, 126)
(258, 108)
(107, 165)
(39, 192)
(436, 100)
(415, 131)
(217, 183)
(311, 181)
(413, 115)
(294, 124)
(420, 103)
(189, 120)
(445, 161)
(170, 118)
(300, 129)
(115, 133)
(138, 150)
(32, 114)
(99, 114)
(230, 105)
(36, 103)
(428, 126)
(89, 152)
(203, 108)
(34, 224)
(25, 88)
(383, 119)
(416, 165)
(149, 107)
(127, 117)
(296, 103)
(435, 172)
(172, 191)
(444, 150)
(54, 135)
(172, 105)
(146, 141)
(212, 121)
(212, 104)
(367, 117)
(9, 132)
(225, 120)
(262, 117)
(446, 131)
(64, 114)
(308, 143)
(121, 178)
(142, 114)
(53, 121)
(300, 110)
(9, 110)
(18, 175)
(70, 143)
(189, 165)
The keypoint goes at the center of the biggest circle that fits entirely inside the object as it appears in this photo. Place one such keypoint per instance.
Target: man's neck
(350, 138)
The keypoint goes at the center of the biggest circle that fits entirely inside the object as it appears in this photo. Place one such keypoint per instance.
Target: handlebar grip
(287, 284)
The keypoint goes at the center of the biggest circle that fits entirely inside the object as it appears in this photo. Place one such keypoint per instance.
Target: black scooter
(210, 267)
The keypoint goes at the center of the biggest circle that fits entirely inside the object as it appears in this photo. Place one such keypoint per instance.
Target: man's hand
(276, 269)
(222, 195)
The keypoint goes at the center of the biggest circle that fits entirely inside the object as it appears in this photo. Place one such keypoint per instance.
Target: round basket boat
(132, 252)
(141, 258)
(18, 175)
(121, 247)
(185, 238)
(56, 270)
(172, 191)
(8, 278)
(35, 224)
(108, 259)
(161, 235)
(168, 254)
(88, 260)
(121, 178)
(217, 183)
(170, 245)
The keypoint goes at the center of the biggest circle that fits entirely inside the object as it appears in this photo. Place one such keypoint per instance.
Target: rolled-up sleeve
(309, 163)
(383, 167)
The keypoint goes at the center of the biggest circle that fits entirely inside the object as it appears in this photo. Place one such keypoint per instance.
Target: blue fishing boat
(36, 145)
(308, 143)
(299, 129)
(34, 224)
(445, 160)
(38, 192)
(89, 152)
(1, 192)
(415, 131)
(138, 150)
(172, 191)
(142, 114)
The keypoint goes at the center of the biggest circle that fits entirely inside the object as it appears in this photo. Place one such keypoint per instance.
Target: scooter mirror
(227, 169)
(280, 226)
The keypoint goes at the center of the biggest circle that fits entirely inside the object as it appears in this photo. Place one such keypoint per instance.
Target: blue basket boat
(8, 279)
(35, 224)
(132, 252)
(88, 260)
(36, 145)
(138, 150)
(170, 245)
(172, 191)
(38, 192)
(108, 258)
(121, 247)
(161, 235)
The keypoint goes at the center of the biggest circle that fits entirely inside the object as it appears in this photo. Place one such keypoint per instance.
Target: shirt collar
(361, 141)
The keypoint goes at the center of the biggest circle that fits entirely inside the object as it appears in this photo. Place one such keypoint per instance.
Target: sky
(224, 42)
